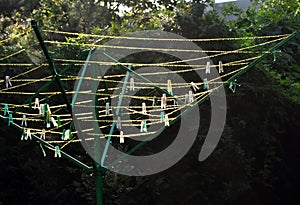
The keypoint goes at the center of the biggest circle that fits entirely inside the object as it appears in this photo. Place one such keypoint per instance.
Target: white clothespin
(194, 86)
(66, 134)
(121, 137)
(169, 88)
(131, 85)
(167, 123)
(163, 101)
(191, 96)
(153, 101)
(119, 125)
(28, 134)
(205, 84)
(43, 134)
(57, 152)
(221, 70)
(186, 99)
(24, 121)
(41, 109)
(207, 70)
(107, 108)
(54, 122)
(36, 104)
(144, 110)
(143, 126)
(7, 81)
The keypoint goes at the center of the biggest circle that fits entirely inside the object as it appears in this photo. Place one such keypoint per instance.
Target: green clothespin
(63, 134)
(162, 116)
(275, 54)
(70, 135)
(10, 119)
(205, 84)
(23, 134)
(57, 152)
(42, 148)
(144, 126)
(58, 121)
(233, 84)
(6, 110)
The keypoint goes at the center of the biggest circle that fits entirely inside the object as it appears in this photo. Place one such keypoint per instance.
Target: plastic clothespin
(131, 84)
(144, 110)
(6, 110)
(191, 96)
(121, 137)
(143, 126)
(205, 84)
(107, 108)
(41, 109)
(207, 69)
(63, 134)
(175, 101)
(7, 81)
(119, 124)
(221, 70)
(194, 86)
(24, 121)
(186, 99)
(23, 134)
(163, 101)
(36, 103)
(167, 123)
(153, 101)
(58, 121)
(10, 119)
(233, 84)
(275, 54)
(43, 134)
(42, 148)
(162, 116)
(28, 134)
(54, 122)
(68, 134)
(57, 152)
(169, 87)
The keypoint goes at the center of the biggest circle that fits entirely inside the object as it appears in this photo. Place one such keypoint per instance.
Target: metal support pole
(51, 63)
(98, 171)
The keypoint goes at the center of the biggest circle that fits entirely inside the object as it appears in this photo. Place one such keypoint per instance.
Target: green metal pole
(51, 63)
(98, 171)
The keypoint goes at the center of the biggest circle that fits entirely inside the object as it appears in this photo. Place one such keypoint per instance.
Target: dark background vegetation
(257, 160)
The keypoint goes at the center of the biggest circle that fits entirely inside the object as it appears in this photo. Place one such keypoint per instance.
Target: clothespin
(169, 88)
(24, 121)
(207, 70)
(119, 125)
(58, 121)
(205, 84)
(23, 134)
(144, 126)
(36, 103)
(191, 96)
(68, 134)
(163, 101)
(42, 148)
(54, 122)
(6, 110)
(41, 109)
(194, 86)
(43, 134)
(144, 110)
(233, 84)
(63, 134)
(221, 70)
(153, 101)
(275, 54)
(167, 123)
(131, 85)
(175, 101)
(107, 108)
(186, 99)
(162, 116)
(121, 137)
(7, 81)
(28, 134)
(57, 152)
(10, 119)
